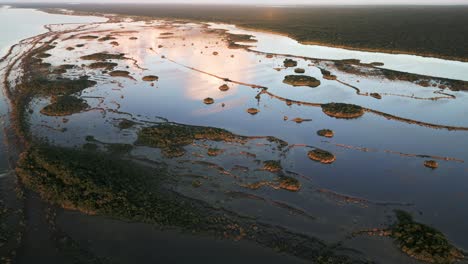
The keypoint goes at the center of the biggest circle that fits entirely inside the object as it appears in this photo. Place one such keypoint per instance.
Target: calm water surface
(185, 65)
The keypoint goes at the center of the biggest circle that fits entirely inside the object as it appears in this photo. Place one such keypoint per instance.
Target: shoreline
(345, 47)
(264, 30)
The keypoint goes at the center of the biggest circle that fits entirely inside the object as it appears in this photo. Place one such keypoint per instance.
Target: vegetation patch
(213, 152)
(173, 152)
(376, 95)
(103, 65)
(326, 133)
(62, 86)
(97, 183)
(340, 110)
(272, 166)
(100, 56)
(119, 149)
(301, 80)
(327, 75)
(65, 105)
(171, 138)
(106, 38)
(431, 164)
(43, 55)
(88, 37)
(322, 156)
(224, 88)
(289, 63)
(208, 100)
(126, 124)
(283, 182)
(150, 78)
(289, 183)
(299, 70)
(253, 111)
(423, 242)
(124, 74)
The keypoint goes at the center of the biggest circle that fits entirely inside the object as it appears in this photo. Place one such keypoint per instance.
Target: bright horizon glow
(262, 2)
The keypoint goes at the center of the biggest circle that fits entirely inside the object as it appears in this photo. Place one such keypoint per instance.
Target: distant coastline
(431, 31)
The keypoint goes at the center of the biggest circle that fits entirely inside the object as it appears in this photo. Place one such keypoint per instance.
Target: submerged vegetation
(103, 65)
(423, 242)
(99, 184)
(102, 56)
(172, 137)
(272, 165)
(65, 105)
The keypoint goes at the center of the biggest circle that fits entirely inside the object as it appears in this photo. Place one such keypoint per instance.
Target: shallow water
(268, 42)
(15, 25)
(369, 166)
(18, 23)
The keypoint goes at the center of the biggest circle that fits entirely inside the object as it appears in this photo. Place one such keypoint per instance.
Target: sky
(266, 2)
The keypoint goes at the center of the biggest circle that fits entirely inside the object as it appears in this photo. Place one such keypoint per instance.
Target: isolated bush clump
(340, 110)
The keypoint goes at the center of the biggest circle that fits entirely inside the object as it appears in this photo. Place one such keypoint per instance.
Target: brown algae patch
(322, 156)
(64, 106)
(208, 100)
(289, 183)
(431, 164)
(171, 138)
(423, 242)
(124, 74)
(300, 120)
(103, 65)
(106, 38)
(213, 152)
(224, 88)
(289, 63)
(89, 37)
(340, 110)
(299, 70)
(253, 111)
(326, 133)
(150, 78)
(283, 182)
(272, 166)
(126, 124)
(301, 80)
(100, 56)
(327, 75)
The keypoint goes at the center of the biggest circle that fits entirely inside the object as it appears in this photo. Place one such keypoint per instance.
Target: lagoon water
(17, 24)
(272, 43)
(183, 56)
